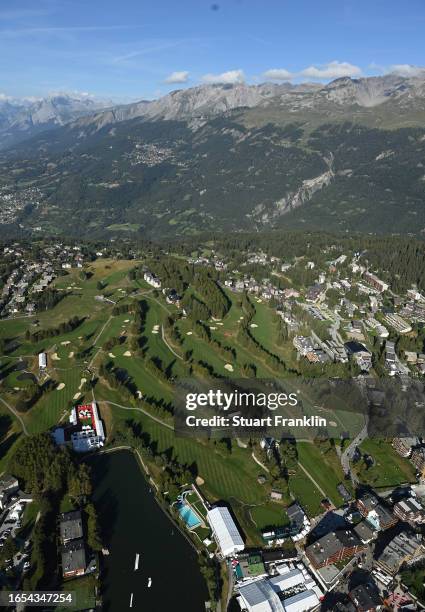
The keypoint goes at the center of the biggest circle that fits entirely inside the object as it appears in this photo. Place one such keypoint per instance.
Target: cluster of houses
(378, 536)
(26, 280)
(13, 502)
(13, 201)
(31, 275)
(304, 563)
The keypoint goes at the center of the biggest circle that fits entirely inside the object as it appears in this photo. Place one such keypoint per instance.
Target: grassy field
(84, 589)
(306, 493)
(269, 515)
(10, 433)
(388, 469)
(322, 462)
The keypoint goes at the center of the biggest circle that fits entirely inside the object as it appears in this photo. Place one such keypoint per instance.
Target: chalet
(314, 293)
(375, 282)
(8, 486)
(404, 446)
(418, 460)
(366, 597)
(410, 510)
(74, 559)
(376, 514)
(334, 547)
(152, 280)
(403, 550)
(70, 526)
(276, 495)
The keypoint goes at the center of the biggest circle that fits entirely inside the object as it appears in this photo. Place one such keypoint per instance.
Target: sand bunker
(76, 396)
(56, 357)
(127, 354)
(139, 394)
(156, 327)
(253, 325)
(199, 481)
(66, 342)
(111, 355)
(189, 333)
(127, 321)
(71, 354)
(213, 327)
(220, 323)
(155, 331)
(228, 367)
(60, 387)
(83, 381)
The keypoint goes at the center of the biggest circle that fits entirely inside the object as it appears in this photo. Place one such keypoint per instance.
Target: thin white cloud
(278, 74)
(406, 70)
(60, 30)
(229, 77)
(178, 76)
(332, 70)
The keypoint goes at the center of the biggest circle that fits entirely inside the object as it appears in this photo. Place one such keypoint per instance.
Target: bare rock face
(22, 118)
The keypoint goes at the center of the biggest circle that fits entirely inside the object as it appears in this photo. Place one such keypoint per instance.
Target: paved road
(17, 415)
(167, 345)
(96, 341)
(138, 409)
(258, 462)
(347, 455)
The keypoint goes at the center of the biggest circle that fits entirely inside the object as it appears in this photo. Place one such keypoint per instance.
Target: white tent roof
(287, 581)
(225, 531)
(301, 602)
(259, 596)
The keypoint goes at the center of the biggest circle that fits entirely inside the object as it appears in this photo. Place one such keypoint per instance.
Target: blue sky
(128, 49)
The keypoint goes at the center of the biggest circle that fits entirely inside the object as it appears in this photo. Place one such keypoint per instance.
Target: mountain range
(22, 118)
(345, 156)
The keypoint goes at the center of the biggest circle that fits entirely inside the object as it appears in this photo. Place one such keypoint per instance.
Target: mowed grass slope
(388, 469)
(324, 466)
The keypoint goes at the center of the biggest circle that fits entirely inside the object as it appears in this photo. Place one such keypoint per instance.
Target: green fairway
(52, 406)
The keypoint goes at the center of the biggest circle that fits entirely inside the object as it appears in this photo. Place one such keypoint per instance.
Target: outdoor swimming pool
(188, 515)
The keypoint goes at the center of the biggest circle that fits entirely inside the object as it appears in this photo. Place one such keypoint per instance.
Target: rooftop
(71, 526)
(73, 556)
(331, 544)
